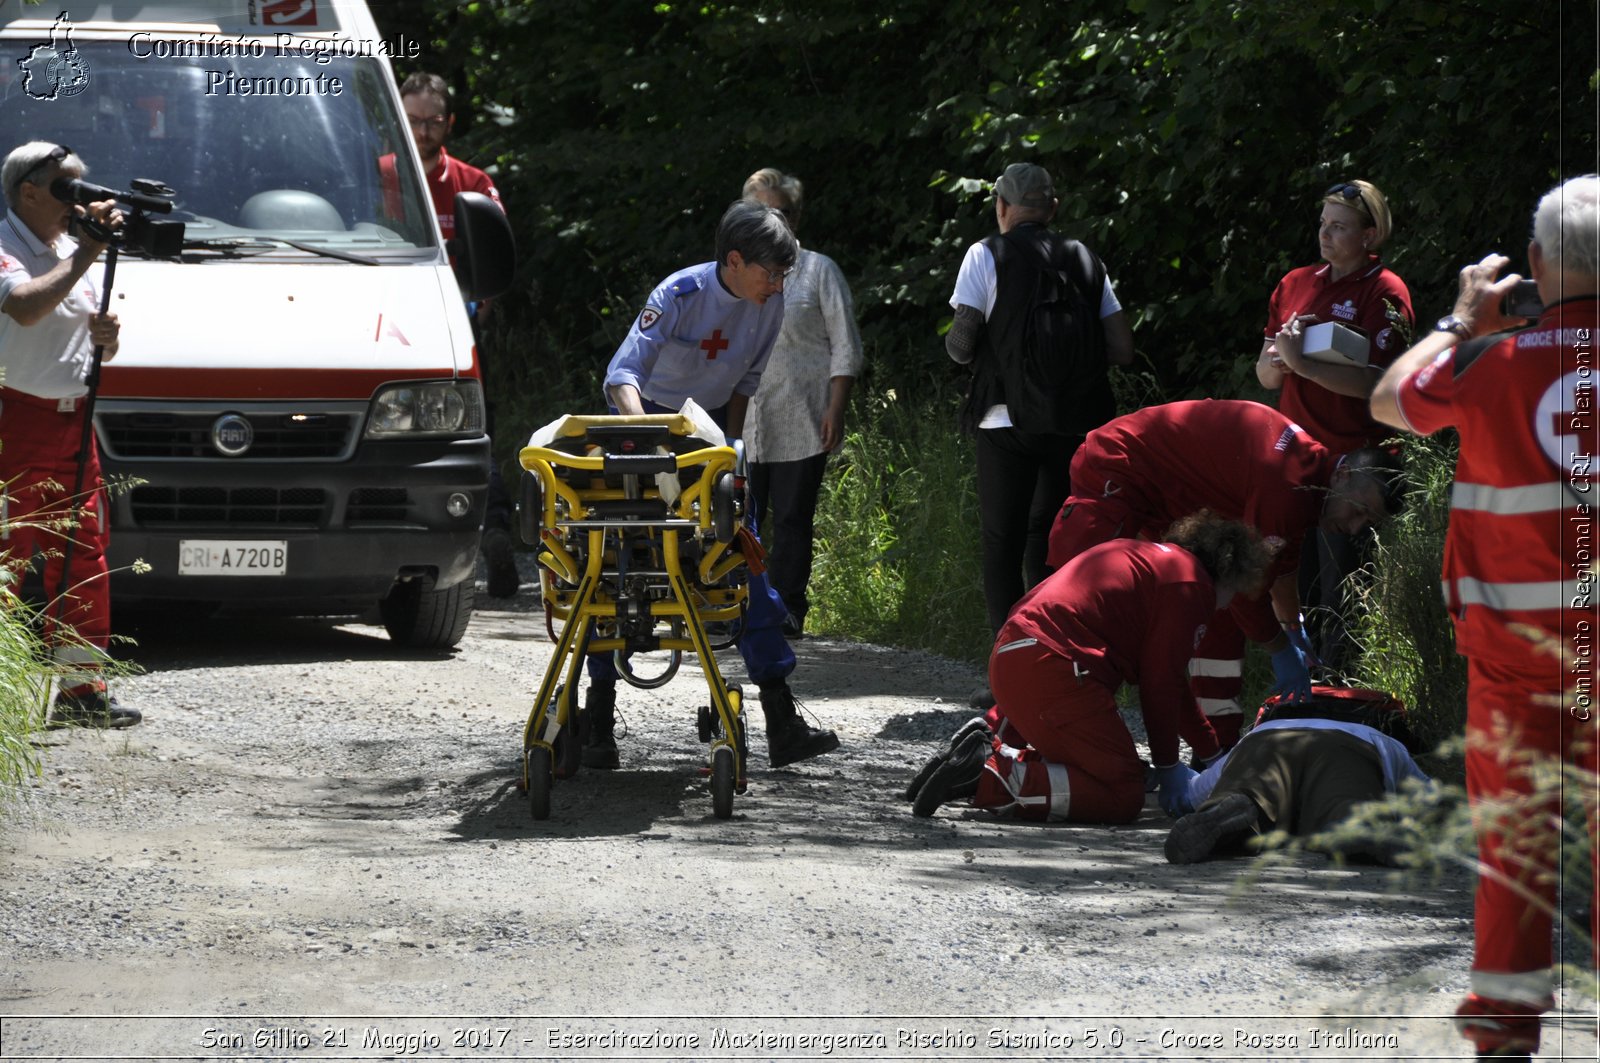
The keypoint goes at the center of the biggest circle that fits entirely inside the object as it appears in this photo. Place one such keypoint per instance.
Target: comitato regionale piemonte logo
(55, 69)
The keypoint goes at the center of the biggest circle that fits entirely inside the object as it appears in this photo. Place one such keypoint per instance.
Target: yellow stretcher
(640, 545)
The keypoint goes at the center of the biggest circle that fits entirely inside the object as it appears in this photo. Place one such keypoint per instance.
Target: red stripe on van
(210, 382)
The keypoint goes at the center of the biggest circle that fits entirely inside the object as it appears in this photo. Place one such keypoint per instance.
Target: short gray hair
(758, 233)
(1566, 226)
(25, 165)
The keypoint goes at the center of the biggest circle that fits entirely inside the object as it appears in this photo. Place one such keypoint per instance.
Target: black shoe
(600, 727)
(958, 776)
(94, 708)
(1197, 835)
(981, 699)
(790, 738)
(977, 723)
(500, 560)
(793, 627)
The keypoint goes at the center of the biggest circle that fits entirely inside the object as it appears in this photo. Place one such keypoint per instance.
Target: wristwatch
(1451, 323)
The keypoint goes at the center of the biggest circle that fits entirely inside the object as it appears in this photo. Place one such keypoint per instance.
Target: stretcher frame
(591, 541)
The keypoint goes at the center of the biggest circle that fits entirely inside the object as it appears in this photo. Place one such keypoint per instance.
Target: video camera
(158, 238)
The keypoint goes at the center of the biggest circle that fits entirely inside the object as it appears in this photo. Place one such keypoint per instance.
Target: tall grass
(1406, 639)
(22, 689)
(897, 538)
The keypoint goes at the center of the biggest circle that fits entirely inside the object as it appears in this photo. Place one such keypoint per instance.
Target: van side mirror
(485, 252)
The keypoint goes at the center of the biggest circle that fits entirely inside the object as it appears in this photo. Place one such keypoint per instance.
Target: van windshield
(271, 148)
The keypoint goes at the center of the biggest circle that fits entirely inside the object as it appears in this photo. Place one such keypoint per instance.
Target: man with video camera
(50, 325)
(1519, 582)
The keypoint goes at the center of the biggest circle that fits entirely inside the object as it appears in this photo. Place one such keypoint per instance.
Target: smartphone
(1523, 300)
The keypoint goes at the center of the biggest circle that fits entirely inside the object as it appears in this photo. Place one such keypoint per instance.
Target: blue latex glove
(1294, 678)
(1297, 639)
(1172, 784)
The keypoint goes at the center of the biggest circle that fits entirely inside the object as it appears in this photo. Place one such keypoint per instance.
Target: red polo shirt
(1373, 300)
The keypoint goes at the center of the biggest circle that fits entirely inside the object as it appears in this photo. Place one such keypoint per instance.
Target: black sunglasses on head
(57, 154)
(1349, 192)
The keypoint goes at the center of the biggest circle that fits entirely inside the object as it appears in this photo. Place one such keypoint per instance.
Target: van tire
(420, 617)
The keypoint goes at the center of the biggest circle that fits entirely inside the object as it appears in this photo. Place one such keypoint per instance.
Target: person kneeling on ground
(1303, 776)
(1127, 611)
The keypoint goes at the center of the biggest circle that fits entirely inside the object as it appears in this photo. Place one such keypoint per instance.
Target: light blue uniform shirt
(694, 339)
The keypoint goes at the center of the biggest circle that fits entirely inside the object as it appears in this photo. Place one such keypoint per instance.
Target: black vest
(1081, 404)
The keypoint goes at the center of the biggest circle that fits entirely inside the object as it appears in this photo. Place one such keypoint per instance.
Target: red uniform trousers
(1216, 673)
(1518, 843)
(1079, 762)
(38, 465)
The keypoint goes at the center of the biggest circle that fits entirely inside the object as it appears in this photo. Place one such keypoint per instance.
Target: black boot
(789, 738)
(599, 730)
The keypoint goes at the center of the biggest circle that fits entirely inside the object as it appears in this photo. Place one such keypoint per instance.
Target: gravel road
(314, 847)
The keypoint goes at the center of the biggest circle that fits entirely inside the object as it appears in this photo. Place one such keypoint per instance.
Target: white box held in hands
(1336, 343)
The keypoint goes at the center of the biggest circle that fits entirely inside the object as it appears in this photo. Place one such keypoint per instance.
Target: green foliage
(1406, 637)
(897, 551)
(21, 694)
(1190, 143)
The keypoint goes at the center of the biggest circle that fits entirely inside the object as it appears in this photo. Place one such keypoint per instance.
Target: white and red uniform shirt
(1241, 460)
(49, 359)
(452, 176)
(1373, 300)
(1522, 511)
(1126, 611)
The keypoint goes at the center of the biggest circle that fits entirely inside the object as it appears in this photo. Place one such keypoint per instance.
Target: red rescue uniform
(1122, 612)
(1518, 555)
(1372, 299)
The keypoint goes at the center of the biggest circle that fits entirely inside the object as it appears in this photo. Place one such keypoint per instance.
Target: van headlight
(443, 408)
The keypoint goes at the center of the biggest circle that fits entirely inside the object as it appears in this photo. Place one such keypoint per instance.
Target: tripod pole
(85, 441)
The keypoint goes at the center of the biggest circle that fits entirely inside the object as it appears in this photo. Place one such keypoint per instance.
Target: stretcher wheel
(538, 772)
(569, 740)
(709, 726)
(530, 508)
(723, 768)
(723, 516)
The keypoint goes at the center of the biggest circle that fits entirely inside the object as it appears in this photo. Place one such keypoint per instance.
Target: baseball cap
(1025, 185)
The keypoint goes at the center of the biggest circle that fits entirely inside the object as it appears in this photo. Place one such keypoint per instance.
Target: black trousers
(1023, 478)
(789, 489)
(1327, 561)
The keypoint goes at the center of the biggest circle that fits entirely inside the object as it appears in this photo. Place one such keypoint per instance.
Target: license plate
(219, 557)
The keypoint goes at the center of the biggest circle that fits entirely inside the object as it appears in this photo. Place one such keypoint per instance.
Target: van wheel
(420, 617)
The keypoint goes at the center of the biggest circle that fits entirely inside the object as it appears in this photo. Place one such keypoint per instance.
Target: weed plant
(1407, 643)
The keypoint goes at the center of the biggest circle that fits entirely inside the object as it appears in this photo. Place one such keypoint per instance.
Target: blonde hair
(1370, 202)
(786, 188)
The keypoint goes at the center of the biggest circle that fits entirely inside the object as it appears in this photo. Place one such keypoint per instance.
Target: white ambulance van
(297, 394)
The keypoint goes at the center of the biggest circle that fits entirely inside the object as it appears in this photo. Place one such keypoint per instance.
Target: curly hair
(1232, 552)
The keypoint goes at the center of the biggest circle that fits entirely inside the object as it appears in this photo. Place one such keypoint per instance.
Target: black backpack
(1053, 378)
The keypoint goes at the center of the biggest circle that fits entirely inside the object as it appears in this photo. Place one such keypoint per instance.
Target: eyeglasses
(57, 154)
(435, 122)
(774, 277)
(1349, 192)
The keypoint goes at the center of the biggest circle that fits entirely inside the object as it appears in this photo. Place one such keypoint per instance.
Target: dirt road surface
(314, 847)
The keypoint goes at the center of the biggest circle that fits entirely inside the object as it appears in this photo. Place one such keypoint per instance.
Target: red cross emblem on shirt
(713, 344)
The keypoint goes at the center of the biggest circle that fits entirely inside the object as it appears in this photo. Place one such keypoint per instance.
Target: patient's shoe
(1196, 836)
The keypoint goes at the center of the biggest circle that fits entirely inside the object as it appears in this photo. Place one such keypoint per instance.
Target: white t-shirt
(976, 286)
